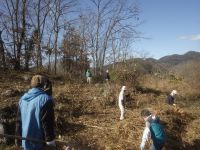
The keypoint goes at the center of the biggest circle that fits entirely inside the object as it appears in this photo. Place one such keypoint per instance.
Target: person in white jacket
(121, 102)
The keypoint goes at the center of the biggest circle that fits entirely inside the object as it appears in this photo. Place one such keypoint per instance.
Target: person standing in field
(171, 98)
(107, 76)
(121, 102)
(153, 130)
(88, 76)
(35, 117)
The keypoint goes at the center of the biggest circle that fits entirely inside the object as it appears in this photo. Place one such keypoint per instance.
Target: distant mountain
(164, 64)
(176, 59)
(151, 60)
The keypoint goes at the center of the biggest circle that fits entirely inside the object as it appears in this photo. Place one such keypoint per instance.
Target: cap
(38, 81)
(145, 113)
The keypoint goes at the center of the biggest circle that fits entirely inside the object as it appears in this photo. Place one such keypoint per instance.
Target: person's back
(157, 133)
(31, 105)
(35, 118)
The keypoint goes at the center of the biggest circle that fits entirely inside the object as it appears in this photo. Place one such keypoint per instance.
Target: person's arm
(47, 119)
(18, 129)
(146, 135)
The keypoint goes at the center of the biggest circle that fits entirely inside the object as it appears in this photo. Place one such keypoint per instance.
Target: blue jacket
(31, 105)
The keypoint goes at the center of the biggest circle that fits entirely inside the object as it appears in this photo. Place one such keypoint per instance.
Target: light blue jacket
(30, 105)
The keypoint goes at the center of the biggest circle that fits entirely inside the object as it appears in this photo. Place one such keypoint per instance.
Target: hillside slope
(176, 59)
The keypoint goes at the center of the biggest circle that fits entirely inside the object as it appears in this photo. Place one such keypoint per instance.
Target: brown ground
(87, 116)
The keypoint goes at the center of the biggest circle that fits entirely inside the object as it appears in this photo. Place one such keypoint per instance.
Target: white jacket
(122, 96)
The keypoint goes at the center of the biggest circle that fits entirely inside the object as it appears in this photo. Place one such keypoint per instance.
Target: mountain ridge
(176, 59)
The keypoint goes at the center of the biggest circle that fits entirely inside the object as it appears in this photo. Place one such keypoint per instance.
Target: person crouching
(171, 98)
(154, 130)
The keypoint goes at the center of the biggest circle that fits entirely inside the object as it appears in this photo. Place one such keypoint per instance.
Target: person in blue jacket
(35, 117)
(153, 130)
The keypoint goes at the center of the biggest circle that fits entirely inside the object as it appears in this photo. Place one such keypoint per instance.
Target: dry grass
(87, 116)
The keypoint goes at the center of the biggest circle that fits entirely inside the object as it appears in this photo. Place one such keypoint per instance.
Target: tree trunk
(55, 51)
(28, 53)
(2, 53)
(21, 33)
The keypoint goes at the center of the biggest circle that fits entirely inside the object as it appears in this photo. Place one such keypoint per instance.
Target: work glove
(142, 145)
(51, 143)
(67, 147)
(18, 143)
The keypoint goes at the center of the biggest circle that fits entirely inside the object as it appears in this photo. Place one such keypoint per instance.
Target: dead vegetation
(87, 116)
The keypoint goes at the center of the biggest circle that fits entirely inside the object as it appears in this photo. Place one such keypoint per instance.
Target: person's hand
(51, 143)
(142, 145)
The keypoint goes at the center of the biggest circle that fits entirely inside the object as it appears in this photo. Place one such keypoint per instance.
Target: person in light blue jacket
(35, 117)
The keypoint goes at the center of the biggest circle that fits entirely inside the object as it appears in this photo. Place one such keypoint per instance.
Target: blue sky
(173, 27)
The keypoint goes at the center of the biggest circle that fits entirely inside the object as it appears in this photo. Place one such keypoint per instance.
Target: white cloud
(183, 37)
(191, 37)
(196, 37)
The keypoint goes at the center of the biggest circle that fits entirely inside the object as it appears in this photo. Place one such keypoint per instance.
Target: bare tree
(59, 9)
(2, 52)
(105, 30)
(27, 32)
(14, 21)
(74, 58)
(41, 9)
(108, 19)
(30, 45)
